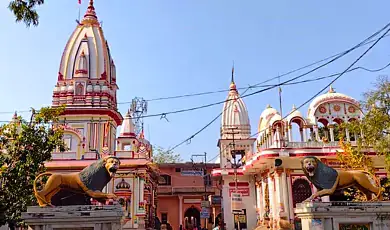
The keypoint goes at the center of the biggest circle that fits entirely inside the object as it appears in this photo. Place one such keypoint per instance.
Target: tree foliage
(24, 147)
(372, 132)
(25, 11)
(161, 156)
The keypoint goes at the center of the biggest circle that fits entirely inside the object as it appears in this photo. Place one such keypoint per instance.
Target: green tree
(25, 11)
(372, 131)
(24, 147)
(161, 156)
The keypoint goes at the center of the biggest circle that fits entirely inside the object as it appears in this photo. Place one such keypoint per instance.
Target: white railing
(64, 156)
(90, 155)
(171, 190)
(124, 154)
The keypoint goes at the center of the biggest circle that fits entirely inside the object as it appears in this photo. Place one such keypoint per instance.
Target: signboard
(205, 204)
(216, 200)
(191, 172)
(205, 213)
(236, 202)
(242, 191)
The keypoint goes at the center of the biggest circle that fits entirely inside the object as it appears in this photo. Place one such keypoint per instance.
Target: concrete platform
(344, 215)
(78, 217)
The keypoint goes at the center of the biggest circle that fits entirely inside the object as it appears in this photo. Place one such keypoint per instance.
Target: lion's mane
(324, 176)
(95, 176)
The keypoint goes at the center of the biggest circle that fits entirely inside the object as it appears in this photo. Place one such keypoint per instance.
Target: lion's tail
(36, 179)
(378, 183)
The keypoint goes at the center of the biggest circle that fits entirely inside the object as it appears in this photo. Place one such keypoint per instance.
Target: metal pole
(205, 184)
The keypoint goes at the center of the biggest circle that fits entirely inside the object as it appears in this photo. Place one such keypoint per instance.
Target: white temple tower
(235, 136)
(87, 86)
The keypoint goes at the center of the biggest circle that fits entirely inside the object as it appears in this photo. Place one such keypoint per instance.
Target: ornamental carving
(337, 108)
(322, 109)
(351, 109)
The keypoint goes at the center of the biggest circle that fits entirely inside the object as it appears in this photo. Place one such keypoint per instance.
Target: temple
(266, 168)
(87, 86)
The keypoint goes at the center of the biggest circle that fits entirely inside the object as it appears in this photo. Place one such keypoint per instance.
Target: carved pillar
(290, 134)
(272, 208)
(290, 192)
(331, 129)
(301, 133)
(347, 134)
(317, 135)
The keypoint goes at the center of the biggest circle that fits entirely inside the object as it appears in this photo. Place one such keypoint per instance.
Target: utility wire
(326, 87)
(243, 88)
(285, 82)
(291, 83)
(257, 85)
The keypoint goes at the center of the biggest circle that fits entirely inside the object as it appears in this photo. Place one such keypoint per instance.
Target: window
(165, 180)
(68, 142)
(164, 218)
(79, 89)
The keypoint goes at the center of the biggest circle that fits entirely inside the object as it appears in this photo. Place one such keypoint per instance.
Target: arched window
(79, 89)
(301, 191)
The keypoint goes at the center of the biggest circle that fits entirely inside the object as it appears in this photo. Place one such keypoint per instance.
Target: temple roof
(235, 113)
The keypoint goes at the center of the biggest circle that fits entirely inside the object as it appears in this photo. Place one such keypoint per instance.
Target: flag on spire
(79, 2)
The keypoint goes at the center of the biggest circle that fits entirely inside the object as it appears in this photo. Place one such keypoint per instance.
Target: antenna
(139, 108)
(280, 98)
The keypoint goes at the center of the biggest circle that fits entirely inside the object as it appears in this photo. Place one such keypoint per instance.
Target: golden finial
(331, 90)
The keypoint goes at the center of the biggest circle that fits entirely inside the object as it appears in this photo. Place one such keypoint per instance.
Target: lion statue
(327, 180)
(78, 188)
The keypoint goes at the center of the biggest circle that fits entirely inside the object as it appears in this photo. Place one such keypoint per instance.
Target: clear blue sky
(167, 48)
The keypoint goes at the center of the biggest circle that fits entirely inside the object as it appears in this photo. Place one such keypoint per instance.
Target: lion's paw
(112, 196)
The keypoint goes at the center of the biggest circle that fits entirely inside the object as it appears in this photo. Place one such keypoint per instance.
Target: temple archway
(192, 217)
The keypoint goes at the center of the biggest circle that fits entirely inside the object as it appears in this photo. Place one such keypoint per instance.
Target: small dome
(56, 89)
(266, 116)
(70, 88)
(104, 88)
(89, 88)
(96, 88)
(293, 114)
(123, 185)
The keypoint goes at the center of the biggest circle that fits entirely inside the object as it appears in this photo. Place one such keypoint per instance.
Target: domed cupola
(333, 107)
(235, 114)
(123, 185)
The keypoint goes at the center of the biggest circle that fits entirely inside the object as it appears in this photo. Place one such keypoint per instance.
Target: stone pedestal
(340, 215)
(78, 217)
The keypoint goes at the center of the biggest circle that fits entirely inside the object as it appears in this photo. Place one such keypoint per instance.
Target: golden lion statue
(88, 183)
(327, 180)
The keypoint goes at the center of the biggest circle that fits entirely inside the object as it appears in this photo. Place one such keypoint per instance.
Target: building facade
(182, 188)
(86, 85)
(269, 175)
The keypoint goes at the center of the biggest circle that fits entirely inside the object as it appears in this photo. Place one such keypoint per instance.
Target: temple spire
(232, 83)
(331, 90)
(90, 15)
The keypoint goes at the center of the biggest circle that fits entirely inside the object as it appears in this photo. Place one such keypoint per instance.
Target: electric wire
(291, 83)
(253, 86)
(323, 89)
(285, 82)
